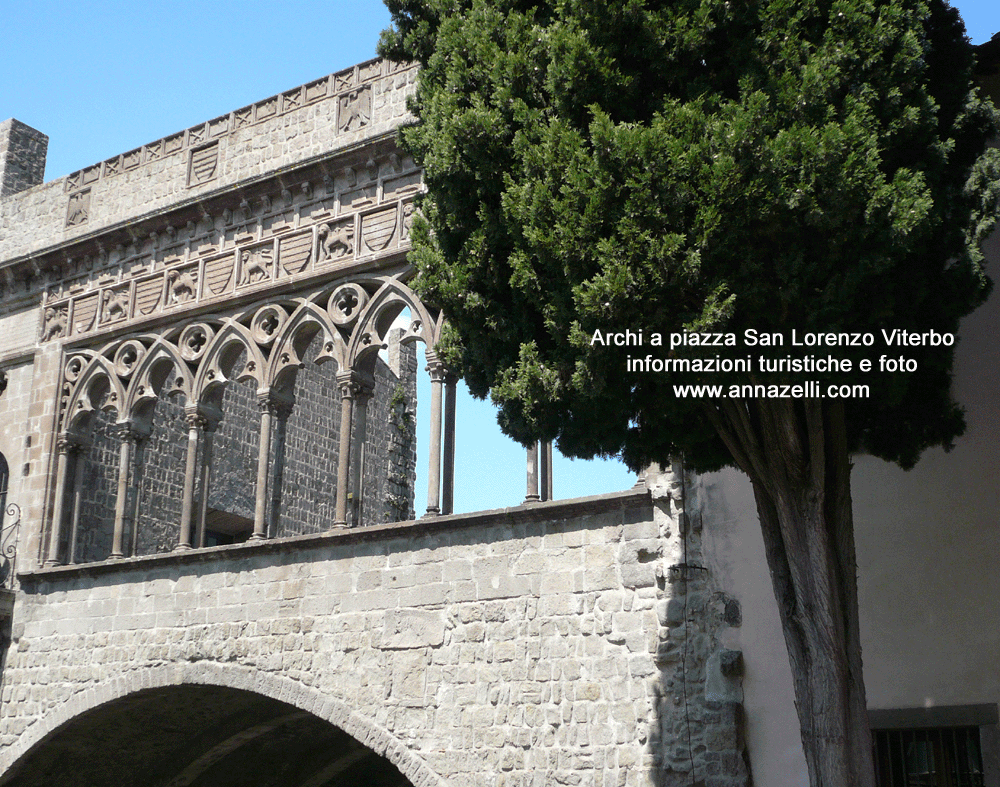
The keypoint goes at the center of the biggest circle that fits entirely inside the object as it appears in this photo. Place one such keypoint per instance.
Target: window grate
(941, 757)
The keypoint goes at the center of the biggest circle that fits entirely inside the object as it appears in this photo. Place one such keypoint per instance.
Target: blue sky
(104, 78)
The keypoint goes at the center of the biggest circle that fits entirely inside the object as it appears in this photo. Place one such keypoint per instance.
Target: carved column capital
(436, 368)
(266, 403)
(275, 404)
(195, 420)
(349, 384)
(363, 392)
(127, 433)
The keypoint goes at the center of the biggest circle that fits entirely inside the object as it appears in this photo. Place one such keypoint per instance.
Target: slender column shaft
(347, 391)
(138, 459)
(280, 430)
(436, 369)
(532, 495)
(543, 471)
(547, 470)
(260, 510)
(448, 471)
(195, 424)
(206, 480)
(78, 464)
(58, 513)
(358, 459)
(122, 514)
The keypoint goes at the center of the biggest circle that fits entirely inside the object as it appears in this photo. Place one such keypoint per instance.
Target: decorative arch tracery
(263, 345)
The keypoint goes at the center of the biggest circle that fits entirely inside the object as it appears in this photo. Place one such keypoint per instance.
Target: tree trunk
(795, 453)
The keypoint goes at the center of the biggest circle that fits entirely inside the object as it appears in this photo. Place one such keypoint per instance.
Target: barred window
(929, 757)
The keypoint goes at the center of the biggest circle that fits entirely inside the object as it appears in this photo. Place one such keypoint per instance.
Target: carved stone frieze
(182, 285)
(378, 229)
(295, 252)
(354, 109)
(336, 241)
(115, 305)
(408, 209)
(256, 265)
(203, 164)
(56, 322)
(78, 210)
(265, 238)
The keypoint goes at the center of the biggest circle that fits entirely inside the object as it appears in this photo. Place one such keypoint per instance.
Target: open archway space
(200, 736)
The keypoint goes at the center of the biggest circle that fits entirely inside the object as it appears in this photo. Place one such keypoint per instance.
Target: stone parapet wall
(334, 113)
(524, 645)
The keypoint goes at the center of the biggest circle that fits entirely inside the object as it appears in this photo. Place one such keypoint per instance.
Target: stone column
(64, 448)
(196, 423)
(78, 465)
(123, 514)
(436, 370)
(348, 390)
(532, 496)
(357, 493)
(448, 472)
(267, 412)
(282, 411)
(206, 480)
(545, 459)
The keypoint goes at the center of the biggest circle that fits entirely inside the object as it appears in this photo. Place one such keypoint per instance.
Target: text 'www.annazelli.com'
(810, 389)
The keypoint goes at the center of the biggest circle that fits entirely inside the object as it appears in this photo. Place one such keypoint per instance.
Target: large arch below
(207, 725)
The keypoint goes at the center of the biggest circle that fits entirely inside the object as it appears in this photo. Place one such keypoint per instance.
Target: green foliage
(399, 415)
(617, 164)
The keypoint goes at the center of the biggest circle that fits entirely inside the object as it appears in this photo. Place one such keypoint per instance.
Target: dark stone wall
(390, 474)
(312, 439)
(22, 157)
(98, 490)
(234, 451)
(159, 469)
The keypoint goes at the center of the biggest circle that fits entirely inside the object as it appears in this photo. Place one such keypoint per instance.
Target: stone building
(206, 465)
(207, 429)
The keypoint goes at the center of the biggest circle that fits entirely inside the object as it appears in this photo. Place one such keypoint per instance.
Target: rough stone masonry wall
(520, 648)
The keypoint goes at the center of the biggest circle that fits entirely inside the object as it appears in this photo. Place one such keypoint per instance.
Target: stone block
(412, 628)
(638, 561)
